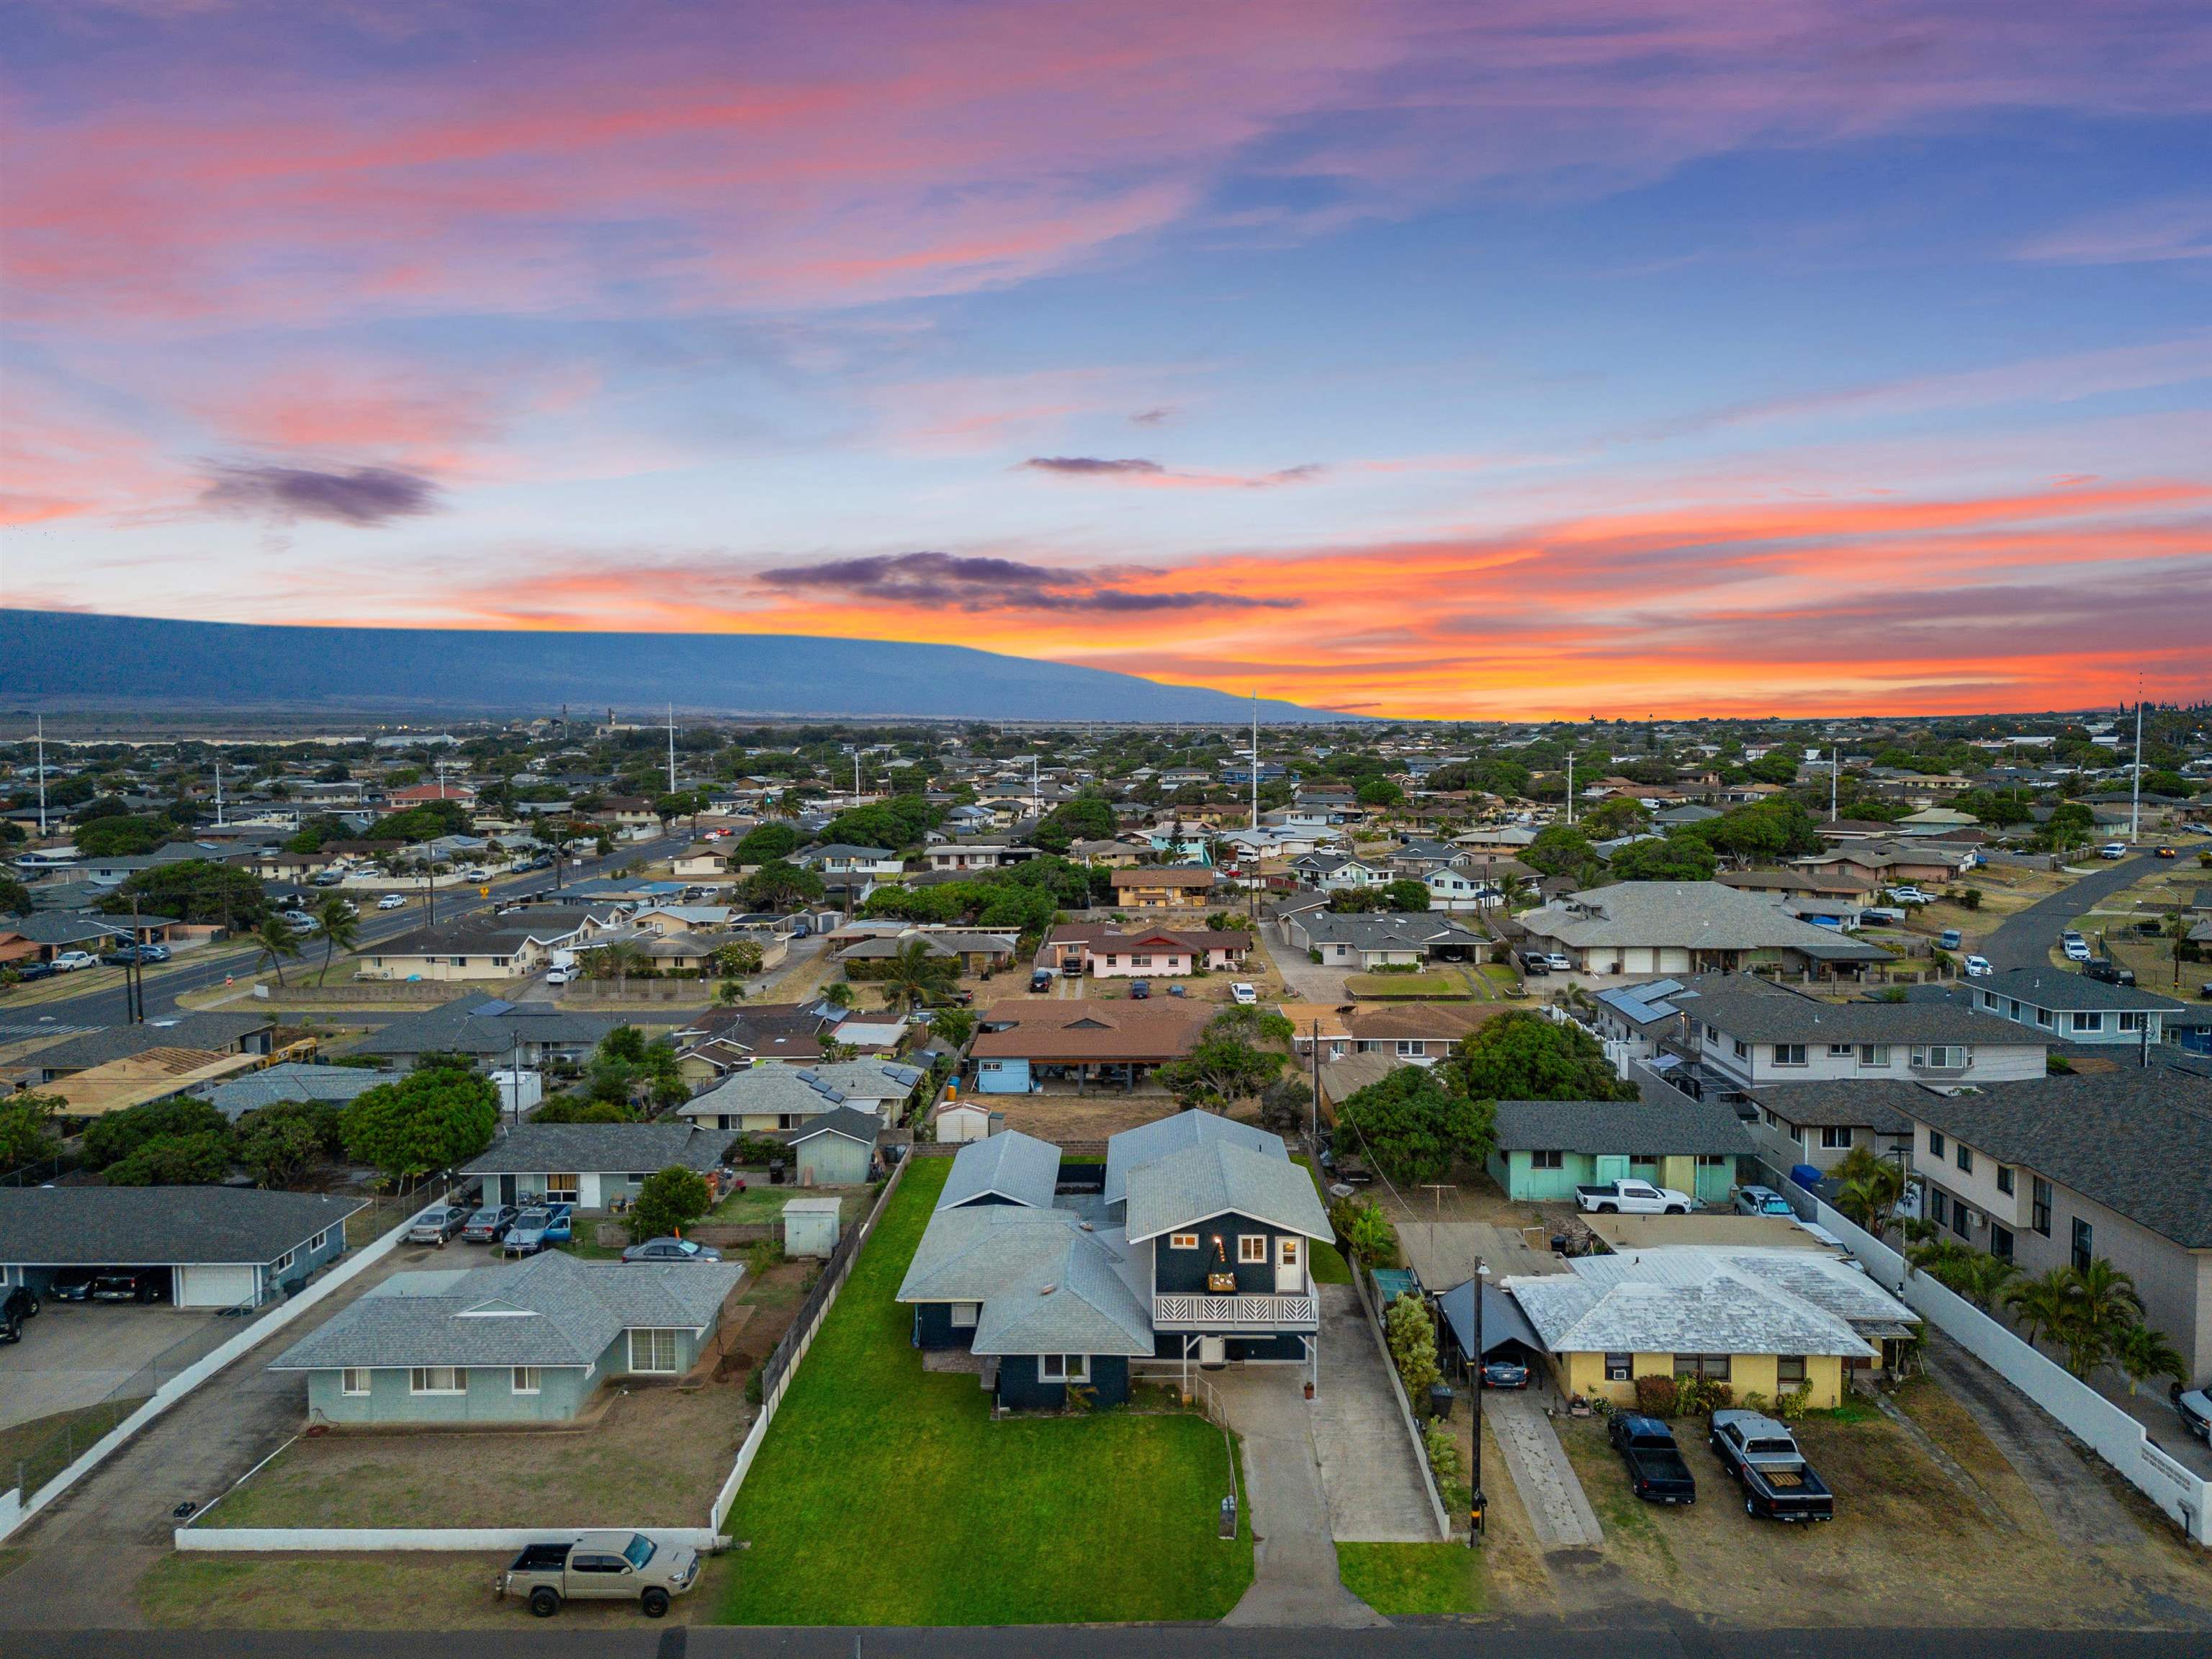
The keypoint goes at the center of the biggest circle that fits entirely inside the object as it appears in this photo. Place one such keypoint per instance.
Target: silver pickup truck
(601, 1567)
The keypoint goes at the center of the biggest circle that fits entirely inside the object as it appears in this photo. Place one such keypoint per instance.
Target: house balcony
(1235, 1313)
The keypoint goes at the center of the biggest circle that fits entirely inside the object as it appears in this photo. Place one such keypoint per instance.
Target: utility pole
(1256, 762)
(671, 751)
(1313, 1106)
(218, 788)
(1571, 783)
(1835, 763)
(2134, 802)
(133, 973)
(42, 777)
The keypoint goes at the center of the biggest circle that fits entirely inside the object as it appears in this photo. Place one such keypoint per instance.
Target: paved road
(2025, 938)
(202, 969)
(1680, 1637)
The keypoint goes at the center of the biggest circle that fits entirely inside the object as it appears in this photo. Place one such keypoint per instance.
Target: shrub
(1444, 1454)
(1656, 1396)
(1366, 1231)
(1970, 898)
(1791, 1404)
(754, 1390)
(1412, 1340)
(1754, 1401)
(668, 1201)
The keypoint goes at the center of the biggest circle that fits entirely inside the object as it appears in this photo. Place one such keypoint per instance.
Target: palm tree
(341, 930)
(910, 976)
(2143, 1353)
(277, 941)
(1872, 1188)
(2101, 1306)
(1982, 1278)
(2040, 1301)
(618, 962)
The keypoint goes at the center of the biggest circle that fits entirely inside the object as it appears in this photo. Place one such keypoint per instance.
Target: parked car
(300, 921)
(439, 1225)
(1242, 995)
(391, 902)
(1656, 1470)
(1882, 913)
(490, 1224)
(1534, 963)
(563, 975)
(126, 1285)
(1559, 961)
(2195, 1406)
(1979, 968)
(123, 955)
(27, 971)
(670, 1249)
(68, 962)
(537, 1228)
(2113, 849)
(1908, 895)
(1041, 980)
(1504, 1374)
(601, 1567)
(1762, 1200)
(2077, 950)
(1140, 989)
(2103, 967)
(1763, 1455)
(70, 1284)
(1632, 1198)
(1950, 939)
(19, 1304)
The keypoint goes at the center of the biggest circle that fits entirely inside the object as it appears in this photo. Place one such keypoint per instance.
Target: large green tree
(1414, 1125)
(1666, 858)
(26, 1130)
(764, 843)
(197, 1160)
(124, 836)
(1561, 849)
(667, 1202)
(777, 885)
(116, 1135)
(435, 1118)
(281, 1143)
(1523, 1055)
(1228, 1063)
(195, 891)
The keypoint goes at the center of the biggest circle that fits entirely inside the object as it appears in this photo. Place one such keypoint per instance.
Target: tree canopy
(1522, 1055)
(764, 843)
(667, 1202)
(1666, 858)
(1227, 1064)
(193, 889)
(1413, 1125)
(435, 1119)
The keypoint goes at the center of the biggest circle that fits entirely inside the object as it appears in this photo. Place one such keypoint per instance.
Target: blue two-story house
(2073, 1008)
(1197, 1251)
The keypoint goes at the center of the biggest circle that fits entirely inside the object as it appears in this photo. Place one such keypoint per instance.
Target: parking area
(75, 1354)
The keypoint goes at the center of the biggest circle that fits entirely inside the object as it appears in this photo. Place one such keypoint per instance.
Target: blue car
(540, 1227)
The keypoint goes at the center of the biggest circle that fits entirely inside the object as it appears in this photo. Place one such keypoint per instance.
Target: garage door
(215, 1287)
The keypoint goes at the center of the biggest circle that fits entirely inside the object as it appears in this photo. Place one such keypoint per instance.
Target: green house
(1547, 1148)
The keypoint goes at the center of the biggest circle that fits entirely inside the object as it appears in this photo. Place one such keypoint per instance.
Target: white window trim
(351, 1375)
(524, 1379)
(418, 1379)
(282, 1262)
(1252, 1249)
(965, 1313)
(1056, 1367)
(1183, 1241)
(652, 1333)
(319, 1239)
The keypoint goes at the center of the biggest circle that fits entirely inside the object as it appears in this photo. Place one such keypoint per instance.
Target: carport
(1505, 1329)
(219, 1247)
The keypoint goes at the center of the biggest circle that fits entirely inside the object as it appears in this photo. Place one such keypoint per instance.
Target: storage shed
(809, 1227)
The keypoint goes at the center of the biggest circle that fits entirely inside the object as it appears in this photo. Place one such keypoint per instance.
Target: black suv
(19, 1304)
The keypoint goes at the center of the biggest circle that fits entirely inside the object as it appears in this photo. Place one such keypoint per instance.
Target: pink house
(1104, 951)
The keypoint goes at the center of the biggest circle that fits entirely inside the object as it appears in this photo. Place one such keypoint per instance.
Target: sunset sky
(1475, 358)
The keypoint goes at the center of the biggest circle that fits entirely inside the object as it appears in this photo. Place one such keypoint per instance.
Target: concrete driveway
(75, 1354)
(1376, 1492)
(1310, 981)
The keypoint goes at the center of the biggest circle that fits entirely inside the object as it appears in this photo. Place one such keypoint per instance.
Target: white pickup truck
(1632, 1198)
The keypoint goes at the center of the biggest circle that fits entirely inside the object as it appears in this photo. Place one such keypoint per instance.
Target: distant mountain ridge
(70, 659)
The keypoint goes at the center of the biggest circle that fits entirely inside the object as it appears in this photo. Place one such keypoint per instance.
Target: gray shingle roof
(1664, 1123)
(1759, 1010)
(601, 1148)
(759, 1090)
(157, 1226)
(550, 1310)
(1697, 915)
(1149, 1142)
(1046, 1283)
(456, 1027)
(1827, 1281)
(863, 1126)
(1010, 1165)
(1218, 1178)
(214, 1033)
(1882, 1104)
(289, 1082)
(2062, 993)
(2138, 1140)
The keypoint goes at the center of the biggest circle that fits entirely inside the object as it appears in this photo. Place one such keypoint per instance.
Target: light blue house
(2071, 1007)
(530, 1343)
(1547, 1148)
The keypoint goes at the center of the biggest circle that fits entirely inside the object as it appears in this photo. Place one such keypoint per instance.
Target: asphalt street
(1408, 1639)
(2025, 938)
(212, 965)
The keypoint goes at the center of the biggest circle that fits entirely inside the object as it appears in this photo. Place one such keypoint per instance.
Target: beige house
(1162, 887)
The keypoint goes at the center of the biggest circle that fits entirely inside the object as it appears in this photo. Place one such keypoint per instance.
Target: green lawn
(1412, 1578)
(761, 1204)
(1328, 1267)
(885, 1495)
(1384, 987)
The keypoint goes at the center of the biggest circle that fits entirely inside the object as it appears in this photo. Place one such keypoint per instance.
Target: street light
(1475, 1505)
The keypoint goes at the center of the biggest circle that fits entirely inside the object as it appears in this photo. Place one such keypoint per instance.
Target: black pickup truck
(1656, 1472)
(1777, 1480)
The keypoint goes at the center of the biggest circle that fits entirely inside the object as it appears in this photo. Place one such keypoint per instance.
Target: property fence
(777, 1370)
(26, 1501)
(2111, 1433)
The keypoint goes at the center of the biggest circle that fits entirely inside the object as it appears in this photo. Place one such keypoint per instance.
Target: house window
(1742, 1049)
(1939, 1206)
(1835, 1137)
(1183, 1241)
(499, 962)
(354, 1380)
(1934, 1143)
(1712, 1161)
(318, 1241)
(1712, 1365)
(2089, 1021)
(2085, 1239)
(1789, 1054)
(1141, 961)
(437, 1379)
(1943, 1057)
(2038, 1205)
(1874, 1054)
(1619, 1367)
(1789, 1368)
(2000, 1242)
(1961, 1218)
(1989, 1000)
(1412, 1049)
(1252, 1247)
(282, 1262)
(2004, 1178)
(562, 1188)
(1113, 961)
(1966, 1157)
(1547, 1160)
(1063, 1368)
(2043, 1017)
(2132, 1022)
(964, 1315)
(524, 1379)
(1713, 1034)
(653, 1352)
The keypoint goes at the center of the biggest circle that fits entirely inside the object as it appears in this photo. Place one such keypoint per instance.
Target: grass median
(886, 1495)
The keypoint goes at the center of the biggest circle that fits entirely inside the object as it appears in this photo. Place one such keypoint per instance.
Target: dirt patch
(1906, 1540)
(1069, 1117)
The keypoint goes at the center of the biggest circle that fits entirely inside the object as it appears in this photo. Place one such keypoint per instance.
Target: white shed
(967, 1120)
(809, 1227)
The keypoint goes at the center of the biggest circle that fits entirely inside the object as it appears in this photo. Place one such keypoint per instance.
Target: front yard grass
(1396, 1579)
(1404, 987)
(886, 1495)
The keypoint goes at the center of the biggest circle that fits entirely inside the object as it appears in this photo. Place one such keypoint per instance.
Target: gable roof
(601, 1148)
(1149, 1142)
(214, 1033)
(2062, 992)
(1220, 1177)
(1054, 1032)
(549, 1310)
(759, 1090)
(863, 1126)
(1664, 1122)
(156, 1226)
(1047, 1283)
(276, 1084)
(1011, 1165)
(1759, 1010)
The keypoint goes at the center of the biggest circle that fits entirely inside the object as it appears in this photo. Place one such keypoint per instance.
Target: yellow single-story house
(1765, 1321)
